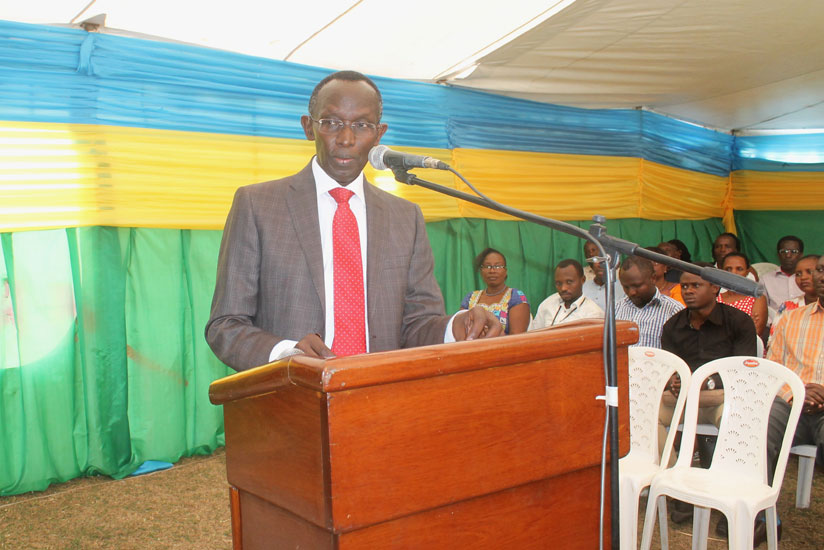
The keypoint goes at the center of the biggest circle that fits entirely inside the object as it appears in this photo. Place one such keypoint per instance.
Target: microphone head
(376, 155)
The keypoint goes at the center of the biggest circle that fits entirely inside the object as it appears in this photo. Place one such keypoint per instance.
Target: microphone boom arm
(610, 248)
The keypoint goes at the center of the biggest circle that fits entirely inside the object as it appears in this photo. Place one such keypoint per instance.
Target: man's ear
(308, 127)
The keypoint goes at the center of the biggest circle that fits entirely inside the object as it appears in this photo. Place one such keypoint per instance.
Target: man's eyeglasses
(496, 267)
(786, 251)
(333, 126)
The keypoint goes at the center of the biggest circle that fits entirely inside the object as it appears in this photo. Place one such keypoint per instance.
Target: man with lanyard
(568, 304)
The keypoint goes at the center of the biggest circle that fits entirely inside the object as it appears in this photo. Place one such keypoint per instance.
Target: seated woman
(660, 272)
(509, 305)
(738, 263)
(804, 269)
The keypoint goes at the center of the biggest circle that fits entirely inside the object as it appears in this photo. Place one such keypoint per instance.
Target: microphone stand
(610, 249)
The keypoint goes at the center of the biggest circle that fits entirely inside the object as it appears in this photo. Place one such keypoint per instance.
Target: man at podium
(324, 263)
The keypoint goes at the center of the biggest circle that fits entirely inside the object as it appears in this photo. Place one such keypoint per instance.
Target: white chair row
(736, 482)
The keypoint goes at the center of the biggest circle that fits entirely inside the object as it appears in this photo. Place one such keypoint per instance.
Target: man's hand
(674, 385)
(813, 398)
(475, 323)
(313, 346)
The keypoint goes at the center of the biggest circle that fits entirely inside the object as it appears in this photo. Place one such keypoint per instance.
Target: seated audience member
(739, 264)
(509, 305)
(798, 344)
(683, 252)
(644, 303)
(660, 277)
(704, 331)
(672, 275)
(724, 244)
(594, 288)
(590, 251)
(568, 304)
(781, 284)
(804, 269)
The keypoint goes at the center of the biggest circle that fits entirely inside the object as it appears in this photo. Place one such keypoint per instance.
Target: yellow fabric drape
(65, 175)
(753, 190)
(570, 187)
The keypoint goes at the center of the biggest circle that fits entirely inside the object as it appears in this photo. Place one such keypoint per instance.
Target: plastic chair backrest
(649, 371)
(750, 386)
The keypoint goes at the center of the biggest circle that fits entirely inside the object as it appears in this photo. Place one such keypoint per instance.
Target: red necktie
(350, 328)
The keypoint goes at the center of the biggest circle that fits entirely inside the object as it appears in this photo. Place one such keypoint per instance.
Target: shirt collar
(576, 304)
(324, 183)
(655, 300)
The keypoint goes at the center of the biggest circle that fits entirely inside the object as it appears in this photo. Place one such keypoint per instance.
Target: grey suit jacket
(270, 273)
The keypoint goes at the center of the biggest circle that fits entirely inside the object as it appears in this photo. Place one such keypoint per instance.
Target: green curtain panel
(760, 230)
(103, 362)
(104, 365)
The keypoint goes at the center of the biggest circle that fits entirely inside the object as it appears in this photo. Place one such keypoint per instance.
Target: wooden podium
(486, 444)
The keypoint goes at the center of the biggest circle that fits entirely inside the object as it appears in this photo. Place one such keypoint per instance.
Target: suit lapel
(303, 207)
(377, 223)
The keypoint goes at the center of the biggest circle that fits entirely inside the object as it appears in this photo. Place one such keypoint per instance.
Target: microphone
(382, 157)
(725, 279)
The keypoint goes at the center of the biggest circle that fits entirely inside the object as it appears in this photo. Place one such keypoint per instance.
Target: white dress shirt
(595, 292)
(780, 288)
(553, 312)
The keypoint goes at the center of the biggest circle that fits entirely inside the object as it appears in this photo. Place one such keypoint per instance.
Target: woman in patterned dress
(509, 305)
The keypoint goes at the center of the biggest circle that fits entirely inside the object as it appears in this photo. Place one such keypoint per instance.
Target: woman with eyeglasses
(509, 305)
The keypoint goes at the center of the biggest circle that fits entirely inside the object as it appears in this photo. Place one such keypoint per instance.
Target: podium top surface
(346, 373)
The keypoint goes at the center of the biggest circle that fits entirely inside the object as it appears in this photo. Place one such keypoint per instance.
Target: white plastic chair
(649, 371)
(806, 469)
(736, 482)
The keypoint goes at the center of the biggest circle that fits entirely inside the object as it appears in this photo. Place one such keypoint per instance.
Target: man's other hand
(813, 398)
(313, 346)
(476, 323)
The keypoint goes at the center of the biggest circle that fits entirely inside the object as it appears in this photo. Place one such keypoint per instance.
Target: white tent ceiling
(747, 65)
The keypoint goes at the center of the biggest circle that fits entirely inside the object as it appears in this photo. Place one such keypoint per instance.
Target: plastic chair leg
(741, 532)
(772, 528)
(806, 469)
(700, 527)
(653, 504)
(663, 524)
(628, 527)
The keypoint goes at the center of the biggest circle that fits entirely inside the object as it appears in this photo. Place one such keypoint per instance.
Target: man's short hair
(736, 255)
(644, 265)
(349, 76)
(734, 237)
(815, 257)
(570, 262)
(790, 238)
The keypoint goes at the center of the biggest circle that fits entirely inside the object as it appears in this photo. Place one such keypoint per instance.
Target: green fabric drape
(760, 230)
(103, 362)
